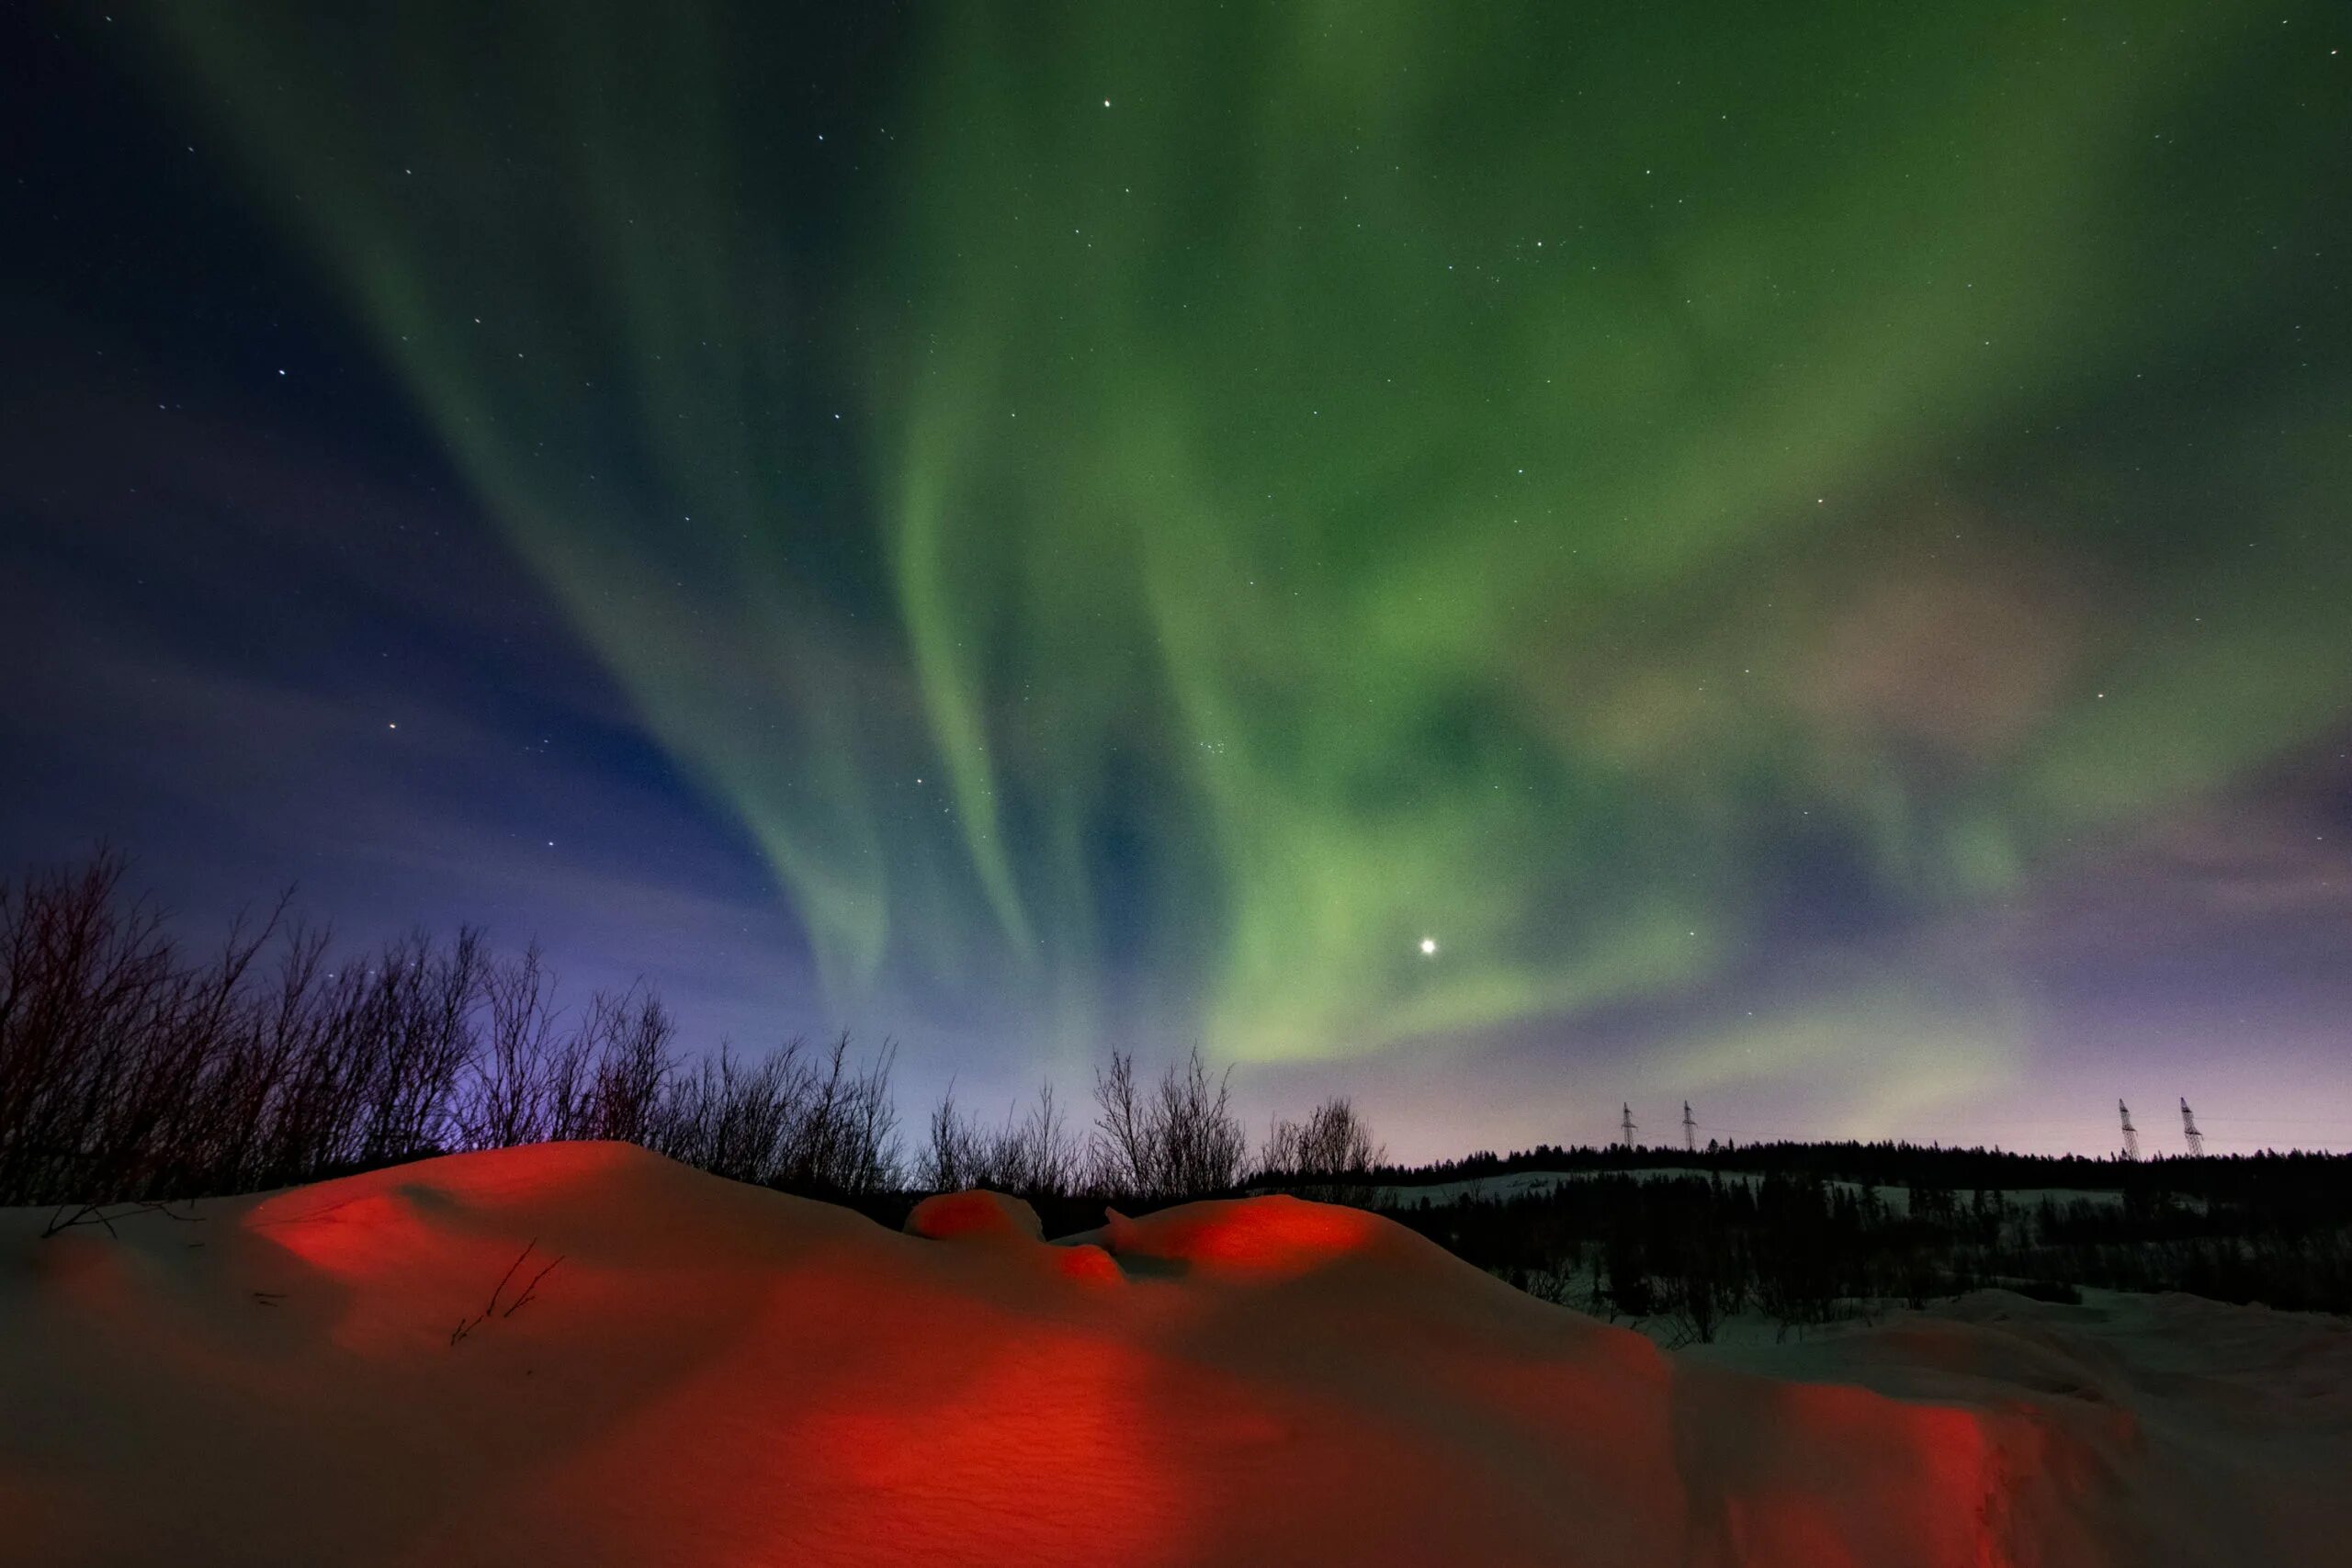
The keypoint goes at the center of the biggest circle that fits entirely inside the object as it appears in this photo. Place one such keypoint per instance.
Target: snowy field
(582, 1354)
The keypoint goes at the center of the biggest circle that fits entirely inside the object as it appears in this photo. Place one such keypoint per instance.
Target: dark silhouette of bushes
(1032, 1156)
(1151, 1144)
(1177, 1139)
(133, 1071)
(810, 1125)
(130, 1071)
(1329, 1155)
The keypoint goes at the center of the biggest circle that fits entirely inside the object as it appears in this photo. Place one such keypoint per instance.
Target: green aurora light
(1187, 501)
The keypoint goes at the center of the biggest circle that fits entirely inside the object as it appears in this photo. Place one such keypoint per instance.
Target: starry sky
(1504, 559)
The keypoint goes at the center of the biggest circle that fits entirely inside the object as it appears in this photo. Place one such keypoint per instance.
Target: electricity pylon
(1625, 1126)
(2131, 1134)
(2188, 1130)
(1690, 1130)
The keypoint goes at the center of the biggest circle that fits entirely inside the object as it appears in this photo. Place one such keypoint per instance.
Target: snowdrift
(584, 1354)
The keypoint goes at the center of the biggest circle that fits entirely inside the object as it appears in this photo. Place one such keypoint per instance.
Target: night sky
(1503, 558)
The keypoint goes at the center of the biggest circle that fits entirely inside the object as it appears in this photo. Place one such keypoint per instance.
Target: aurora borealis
(1804, 549)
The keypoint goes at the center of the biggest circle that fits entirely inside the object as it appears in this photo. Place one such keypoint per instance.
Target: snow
(659, 1366)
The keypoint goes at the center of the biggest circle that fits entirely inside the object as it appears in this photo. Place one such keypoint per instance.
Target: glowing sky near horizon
(1341, 530)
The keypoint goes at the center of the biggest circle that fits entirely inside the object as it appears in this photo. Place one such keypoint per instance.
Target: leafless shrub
(511, 1100)
(1203, 1148)
(1124, 1157)
(808, 1124)
(89, 993)
(1329, 1155)
(846, 1142)
(1694, 1305)
(1181, 1139)
(1031, 1156)
(957, 1154)
(133, 1072)
(1556, 1285)
(629, 1036)
(1039, 1156)
(732, 1118)
(129, 1071)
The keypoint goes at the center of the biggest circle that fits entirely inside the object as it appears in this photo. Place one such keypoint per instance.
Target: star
(1428, 947)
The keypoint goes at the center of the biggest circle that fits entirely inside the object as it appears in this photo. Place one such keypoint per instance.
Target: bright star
(1428, 947)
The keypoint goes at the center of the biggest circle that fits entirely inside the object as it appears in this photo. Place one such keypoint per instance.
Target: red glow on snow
(1087, 1264)
(717, 1373)
(351, 1239)
(1267, 1238)
(1930, 1468)
(975, 1216)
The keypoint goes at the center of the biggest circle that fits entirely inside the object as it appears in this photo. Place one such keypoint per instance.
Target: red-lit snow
(716, 1374)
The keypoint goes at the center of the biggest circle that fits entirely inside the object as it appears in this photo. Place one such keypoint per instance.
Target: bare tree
(1333, 1140)
(815, 1126)
(1205, 1150)
(1032, 1155)
(732, 1118)
(1329, 1155)
(509, 1103)
(131, 1072)
(1037, 1156)
(630, 1034)
(1124, 1157)
(957, 1157)
(1181, 1140)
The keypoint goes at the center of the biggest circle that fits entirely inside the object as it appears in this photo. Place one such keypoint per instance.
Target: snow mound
(976, 1216)
(1250, 1239)
(584, 1354)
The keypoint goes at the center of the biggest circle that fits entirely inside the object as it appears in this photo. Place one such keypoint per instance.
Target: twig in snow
(508, 1275)
(95, 1214)
(467, 1326)
(532, 1289)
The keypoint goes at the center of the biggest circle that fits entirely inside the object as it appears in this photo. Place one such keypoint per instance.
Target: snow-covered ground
(583, 1354)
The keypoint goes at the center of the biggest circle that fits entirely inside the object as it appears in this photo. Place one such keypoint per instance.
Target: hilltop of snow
(583, 1354)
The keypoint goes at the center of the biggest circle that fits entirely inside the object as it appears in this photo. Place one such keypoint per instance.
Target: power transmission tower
(1625, 1126)
(2188, 1130)
(1690, 1130)
(2131, 1134)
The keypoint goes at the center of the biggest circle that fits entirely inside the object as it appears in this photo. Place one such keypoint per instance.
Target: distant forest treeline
(1805, 1241)
(2279, 1174)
